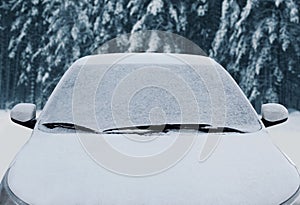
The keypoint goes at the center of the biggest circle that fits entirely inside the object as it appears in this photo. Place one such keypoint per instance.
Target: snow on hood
(244, 169)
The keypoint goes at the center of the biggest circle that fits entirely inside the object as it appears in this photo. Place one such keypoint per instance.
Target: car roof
(144, 58)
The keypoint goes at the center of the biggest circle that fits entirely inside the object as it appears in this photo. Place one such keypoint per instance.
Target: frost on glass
(143, 94)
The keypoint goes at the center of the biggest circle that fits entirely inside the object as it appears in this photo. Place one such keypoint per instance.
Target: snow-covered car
(149, 128)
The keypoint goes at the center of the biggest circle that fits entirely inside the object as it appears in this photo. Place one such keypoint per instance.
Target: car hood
(242, 169)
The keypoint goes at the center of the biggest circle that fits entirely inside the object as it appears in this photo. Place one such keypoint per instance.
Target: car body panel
(243, 169)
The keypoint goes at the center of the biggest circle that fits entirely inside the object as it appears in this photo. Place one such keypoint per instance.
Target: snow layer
(199, 91)
(273, 112)
(287, 136)
(23, 112)
(13, 137)
(243, 163)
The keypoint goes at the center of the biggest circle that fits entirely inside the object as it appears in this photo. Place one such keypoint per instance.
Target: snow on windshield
(105, 96)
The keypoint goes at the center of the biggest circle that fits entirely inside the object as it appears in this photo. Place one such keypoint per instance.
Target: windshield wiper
(212, 129)
(70, 126)
(144, 129)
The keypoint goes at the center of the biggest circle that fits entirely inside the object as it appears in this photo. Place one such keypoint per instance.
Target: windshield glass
(101, 97)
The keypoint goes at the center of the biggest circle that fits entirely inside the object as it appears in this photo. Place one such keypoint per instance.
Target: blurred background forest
(257, 41)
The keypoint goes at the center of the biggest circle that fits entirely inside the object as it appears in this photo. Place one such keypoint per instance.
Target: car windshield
(101, 97)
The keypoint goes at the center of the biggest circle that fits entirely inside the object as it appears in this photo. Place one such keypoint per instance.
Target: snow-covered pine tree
(69, 36)
(65, 31)
(163, 15)
(195, 20)
(257, 40)
(24, 48)
(289, 89)
(111, 19)
(254, 43)
(203, 18)
(5, 21)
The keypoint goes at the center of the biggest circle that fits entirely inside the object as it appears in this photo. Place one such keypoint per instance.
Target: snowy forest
(257, 41)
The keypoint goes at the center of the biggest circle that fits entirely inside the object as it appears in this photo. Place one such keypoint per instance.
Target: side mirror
(24, 114)
(273, 114)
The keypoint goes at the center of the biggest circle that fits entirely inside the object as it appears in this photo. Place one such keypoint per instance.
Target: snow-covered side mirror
(273, 114)
(24, 114)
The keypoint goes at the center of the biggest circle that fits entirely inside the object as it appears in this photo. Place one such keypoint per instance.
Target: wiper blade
(145, 129)
(211, 129)
(70, 126)
(142, 129)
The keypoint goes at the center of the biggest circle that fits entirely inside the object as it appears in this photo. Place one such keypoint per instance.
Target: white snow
(106, 17)
(137, 26)
(155, 7)
(287, 136)
(154, 42)
(74, 32)
(13, 137)
(189, 90)
(23, 112)
(274, 112)
(202, 9)
(173, 13)
(65, 173)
